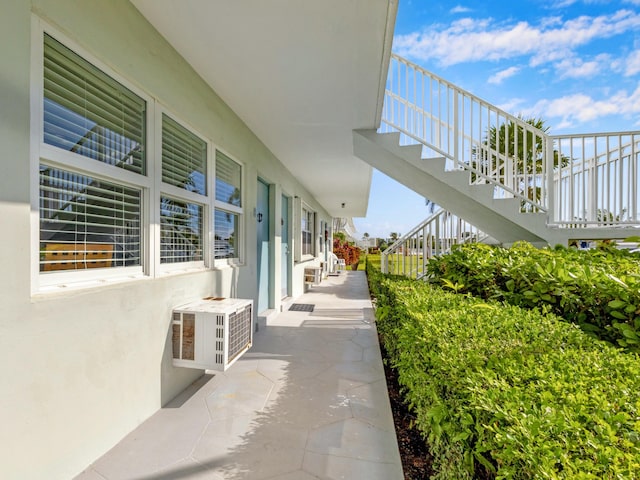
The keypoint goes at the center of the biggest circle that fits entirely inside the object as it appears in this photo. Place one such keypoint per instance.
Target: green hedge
(596, 289)
(509, 393)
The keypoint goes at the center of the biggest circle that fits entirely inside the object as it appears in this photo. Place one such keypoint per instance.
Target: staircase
(504, 175)
(410, 254)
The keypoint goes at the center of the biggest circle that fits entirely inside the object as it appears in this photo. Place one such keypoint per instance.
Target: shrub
(506, 392)
(599, 290)
(349, 253)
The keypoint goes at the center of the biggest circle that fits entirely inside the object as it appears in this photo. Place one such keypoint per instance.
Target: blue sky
(574, 63)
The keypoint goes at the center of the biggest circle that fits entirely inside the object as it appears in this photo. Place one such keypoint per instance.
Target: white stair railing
(599, 184)
(496, 147)
(436, 235)
(579, 180)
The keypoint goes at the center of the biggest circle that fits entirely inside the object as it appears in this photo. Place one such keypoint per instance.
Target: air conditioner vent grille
(239, 331)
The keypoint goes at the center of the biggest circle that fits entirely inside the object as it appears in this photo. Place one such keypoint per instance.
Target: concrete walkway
(308, 401)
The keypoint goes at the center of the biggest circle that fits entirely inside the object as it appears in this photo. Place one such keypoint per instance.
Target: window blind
(181, 229)
(184, 157)
(307, 231)
(87, 222)
(228, 178)
(227, 226)
(89, 113)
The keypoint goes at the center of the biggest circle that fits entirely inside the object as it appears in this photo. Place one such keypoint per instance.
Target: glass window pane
(184, 157)
(87, 222)
(226, 234)
(228, 177)
(89, 113)
(307, 229)
(180, 231)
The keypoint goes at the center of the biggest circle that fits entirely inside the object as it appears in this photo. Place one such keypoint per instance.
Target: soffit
(301, 74)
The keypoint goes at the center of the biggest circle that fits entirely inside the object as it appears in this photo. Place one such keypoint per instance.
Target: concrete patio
(308, 401)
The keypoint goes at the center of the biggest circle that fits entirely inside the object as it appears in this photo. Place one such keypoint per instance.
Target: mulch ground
(416, 459)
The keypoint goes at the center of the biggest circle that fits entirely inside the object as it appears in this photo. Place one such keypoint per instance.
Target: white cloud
(580, 108)
(470, 40)
(632, 65)
(513, 105)
(563, 3)
(502, 75)
(577, 68)
(460, 9)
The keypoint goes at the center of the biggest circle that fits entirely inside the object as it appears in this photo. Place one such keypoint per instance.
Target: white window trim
(300, 206)
(218, 263)
(165, 189)
(47, 154)
(320, 237)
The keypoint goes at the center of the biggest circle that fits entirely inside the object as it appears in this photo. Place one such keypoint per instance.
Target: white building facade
(128, 187)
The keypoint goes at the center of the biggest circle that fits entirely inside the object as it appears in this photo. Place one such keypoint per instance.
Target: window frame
(219, 205)
(311, 220)
(55, 157)
(164, 189)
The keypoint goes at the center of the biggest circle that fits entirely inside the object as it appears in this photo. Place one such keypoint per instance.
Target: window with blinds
(87, 222)
(92, 216)
(226, 237)
(228, 211)
(89, 113)
(228, 178)
(307, 227)
(181, 229)
(184, 157)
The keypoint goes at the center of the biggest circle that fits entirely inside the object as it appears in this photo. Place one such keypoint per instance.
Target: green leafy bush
(509, 393)
(597, 289)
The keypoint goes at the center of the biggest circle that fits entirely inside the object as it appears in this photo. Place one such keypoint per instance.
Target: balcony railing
(599, 184)
(579, 180)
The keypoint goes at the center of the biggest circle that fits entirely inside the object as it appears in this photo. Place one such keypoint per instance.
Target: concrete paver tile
(356, 439)
(265, 450)
(166, 438)
(331, 467)
(370, 403)
(243, 393)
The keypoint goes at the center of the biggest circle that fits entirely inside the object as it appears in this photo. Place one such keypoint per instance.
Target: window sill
(226, 263)
(177, 269)
(47, 291)
(307, 258)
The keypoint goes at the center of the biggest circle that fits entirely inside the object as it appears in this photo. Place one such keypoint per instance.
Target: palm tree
(365, 242)
(431, 206)
(509, 145)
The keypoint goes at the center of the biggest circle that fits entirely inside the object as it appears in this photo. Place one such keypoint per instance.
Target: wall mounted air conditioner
(212, 333)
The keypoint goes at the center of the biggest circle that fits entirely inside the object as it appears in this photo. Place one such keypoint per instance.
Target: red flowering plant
(349, 253)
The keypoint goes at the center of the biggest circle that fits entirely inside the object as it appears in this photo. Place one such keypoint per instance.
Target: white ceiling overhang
(302, 74)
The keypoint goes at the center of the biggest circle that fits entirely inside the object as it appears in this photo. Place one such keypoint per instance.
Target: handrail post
(633, 166)
(593, 180)
(551, 191)
(456, 128)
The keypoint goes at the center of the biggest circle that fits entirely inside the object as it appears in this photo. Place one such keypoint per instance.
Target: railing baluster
(633, 173)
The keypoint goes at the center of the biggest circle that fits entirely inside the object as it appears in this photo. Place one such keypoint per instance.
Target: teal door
(284, 266)
(264, 272)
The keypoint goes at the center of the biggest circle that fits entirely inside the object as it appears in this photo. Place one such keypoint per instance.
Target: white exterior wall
(82, 368)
